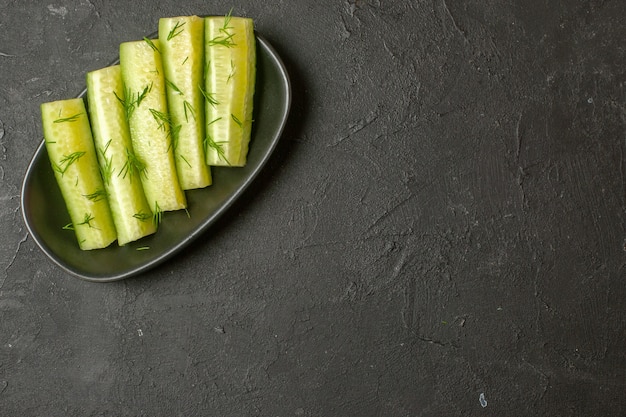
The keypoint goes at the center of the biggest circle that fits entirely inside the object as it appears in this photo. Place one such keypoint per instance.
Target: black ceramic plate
(45, 213)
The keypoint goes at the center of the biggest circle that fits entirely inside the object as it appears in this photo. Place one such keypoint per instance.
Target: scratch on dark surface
(400, 263)
(12, 260)
(536, 294)
(351, 7)
(3, 386)
(93, 6)
(520, 183)
(622, 166)
(453, 20)
(518, 136)
(408, 312)
(6, 55)
(546, 378)
(355, 128)
(345, 33)
(393, 56)
(391, 210)
(435, 341)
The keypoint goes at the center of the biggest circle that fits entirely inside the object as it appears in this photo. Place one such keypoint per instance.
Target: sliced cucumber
(70, 147)
(151, 130)
(118, 164)
(230, 73)
(182, 47)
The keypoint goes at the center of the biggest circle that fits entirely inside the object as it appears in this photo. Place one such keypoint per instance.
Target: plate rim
(206, 223)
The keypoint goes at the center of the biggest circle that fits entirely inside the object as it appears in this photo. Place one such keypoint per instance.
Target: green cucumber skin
(130, 210)
(229, 117)
(142, 72)
(182, 48)
(69, 142)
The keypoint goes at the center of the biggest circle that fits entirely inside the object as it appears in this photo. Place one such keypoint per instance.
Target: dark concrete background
(442, 223)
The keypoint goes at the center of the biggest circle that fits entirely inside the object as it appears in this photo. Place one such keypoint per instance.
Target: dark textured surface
(440, 233)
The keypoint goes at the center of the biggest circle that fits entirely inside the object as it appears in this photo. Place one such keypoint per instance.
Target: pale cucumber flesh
(181, 42)
(69, 142)
(120, 173)
(230, 74)
(150, 130)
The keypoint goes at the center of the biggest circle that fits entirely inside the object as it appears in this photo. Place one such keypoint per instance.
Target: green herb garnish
(162, 119)
(236, 120)
(97, 195)
(173, 87)
(67, 161)
(227, 38)
(158, 213)
(132, 165)
(188, 107)
(185, 159)
(209, 97)
(142, 216)
(106, 167)
(216, 146)
(176, 30)
(87, 220)
(67, 119)
(231, 74)
(151, 44)
(132, 100)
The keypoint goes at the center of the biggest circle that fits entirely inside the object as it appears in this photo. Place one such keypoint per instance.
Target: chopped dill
(67, 161)
(143, 94)
(214, 121)
(176, 30)
(231, 74)
(151, 44)
(209, 97)
(143, 248)
(188, 108)
(87, 220)
(97, 195)
(142, 216)
(69, 226)
(131, 166)
(227, 38)
(69, 119)
(173, 87)
(164, 122)
(163, 119)
(218, 147)
(226, 41)
(185, 159)
(106, 146)
(236, 120)
(106, 167)
(174, 133)
(186, 58)
(158, 213)
(124, 102)
(131, 100)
